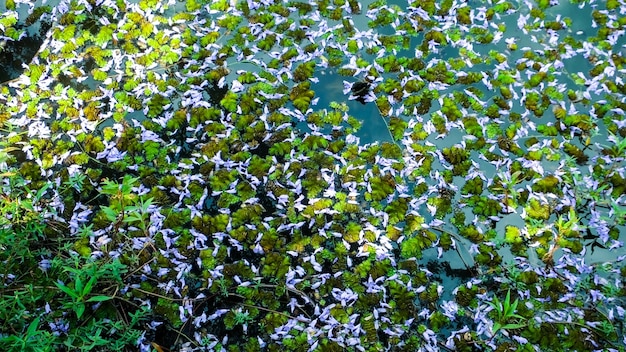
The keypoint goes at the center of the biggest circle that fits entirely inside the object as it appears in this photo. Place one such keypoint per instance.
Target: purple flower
(45, 264)
(596, 295)
(59, 327)
(520, 339)
(450, 309)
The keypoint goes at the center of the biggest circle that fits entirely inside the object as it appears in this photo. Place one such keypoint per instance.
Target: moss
(547, 184)
(466, 297)
(512, 235)
(537, 210)
(575, 152)
(473, 186)
(471, 233)
(488, 256)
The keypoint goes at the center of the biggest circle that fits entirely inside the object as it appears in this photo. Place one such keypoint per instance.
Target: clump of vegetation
(171, 178)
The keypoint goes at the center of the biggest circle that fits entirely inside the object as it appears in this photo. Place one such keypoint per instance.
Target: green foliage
(277, 220)
(237, 317)
(512, 235)
(304, 71)
(381, 188)
(313, 143)
(33, 339)
(352, 232)
(484, 206)
(547, 184)
(105, 34)
(537, 210)
(397, 127)
(455, 155)
(230, 101)
(473, 186)
(80, 292)
(412, 247)
(505, 313)
(69, 284)
(274, 265)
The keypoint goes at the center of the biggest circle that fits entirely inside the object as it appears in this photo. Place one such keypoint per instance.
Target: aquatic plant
(172, 178)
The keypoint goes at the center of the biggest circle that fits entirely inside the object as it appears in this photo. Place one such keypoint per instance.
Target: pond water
(493, 148)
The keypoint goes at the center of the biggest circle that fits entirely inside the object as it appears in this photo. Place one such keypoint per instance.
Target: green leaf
(105, 34)
(78, 285)
(506, 78)
(147, 29)
(170, 57)
(314, 142)
(247, 78)
(414, 222)
(99, 298)
(67, 33)
(302, 103)
(132, 217)
(146, 204)
(99, 75)
(412, 247)
(496, 304)
(220, 5)
(513, 326)
(280, 148)
(512, 234)
(89, 286)
(304, 71)
(151, 149)
(397, 127)
(67, 290)
(9, 20)
(130, 84)
(507, 302)
(353, 46)
(230, 101)
(35, 73)
(536, 210)
(352, 232)
(79, 308)
(13, 33)
(110, 214)
(381, 188)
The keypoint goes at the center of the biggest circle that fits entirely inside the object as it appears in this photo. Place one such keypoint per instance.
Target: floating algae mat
(200, 175)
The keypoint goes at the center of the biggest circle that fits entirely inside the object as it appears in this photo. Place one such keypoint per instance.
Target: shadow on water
(331, 86)
(16, 53)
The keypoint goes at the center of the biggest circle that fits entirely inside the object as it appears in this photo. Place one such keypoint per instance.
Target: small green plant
(153, 173)
(33, 339)
(238, 317)
(126, 208)
(505, 314)
(80, 291)
(37, 256)
(507, 184)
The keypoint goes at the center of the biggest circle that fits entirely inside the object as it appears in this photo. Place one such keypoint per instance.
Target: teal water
(451, 269)
(330, 84)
